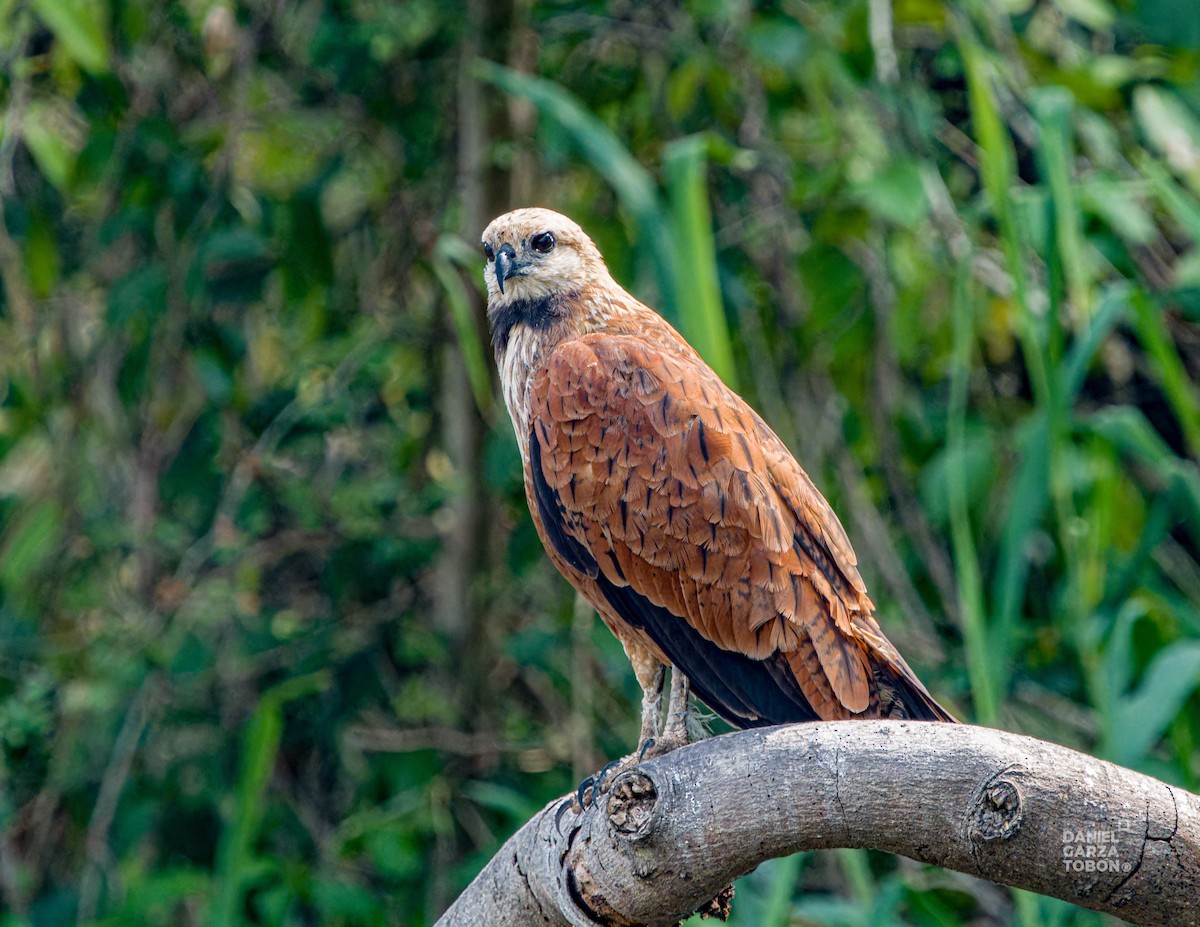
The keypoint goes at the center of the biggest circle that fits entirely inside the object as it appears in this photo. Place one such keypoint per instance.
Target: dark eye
(543, 242)
(488, 252)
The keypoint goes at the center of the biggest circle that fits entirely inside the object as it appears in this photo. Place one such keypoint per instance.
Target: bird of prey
(673, 507)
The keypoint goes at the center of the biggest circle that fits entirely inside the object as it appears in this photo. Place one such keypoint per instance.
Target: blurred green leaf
(1053, 107)
(1171, 129)
(1028, 497)
(283, 148)
(345, 903)
(1168, 369)
(1182, 206)
(502, 798)
(42, 259)
(973, 462)
(778, 41)
(1095, 14)
(234, 263)
(701, 315)
(1128, 429)
(1142, 717)
(30, 541)
(896, 194)
(1111, 311)
(995, 148)
(1120, 205)
(453, 249)
(53, 136)
(1170, 22)
(81, 27)
(777, 907)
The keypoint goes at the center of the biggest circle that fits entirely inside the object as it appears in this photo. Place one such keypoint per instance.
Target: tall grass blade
(1119, 662)
(448, 249)
(1053, 107)
(701, 316)
(1030, 489)
(1028, 497)
(777, 906)
(980, 662)
(996, 169)
(857, 870)
(1167, 368)
(260, 745)
(995, 150)
(1159, 520)
(1110, 312)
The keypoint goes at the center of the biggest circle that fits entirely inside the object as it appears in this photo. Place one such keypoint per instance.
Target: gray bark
(672, 832)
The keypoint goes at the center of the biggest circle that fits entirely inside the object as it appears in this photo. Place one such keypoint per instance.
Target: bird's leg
(650, 676)
(679, 706)
(649, 671)
(675, 733)
(652, 688)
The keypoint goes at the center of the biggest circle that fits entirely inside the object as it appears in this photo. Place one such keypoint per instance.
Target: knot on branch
(633, 805)
(998, 810)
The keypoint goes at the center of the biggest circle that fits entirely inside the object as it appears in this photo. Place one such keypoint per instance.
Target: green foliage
(695, 270)
(278, 643)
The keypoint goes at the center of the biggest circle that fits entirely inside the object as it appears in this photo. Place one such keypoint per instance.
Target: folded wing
(699, 528)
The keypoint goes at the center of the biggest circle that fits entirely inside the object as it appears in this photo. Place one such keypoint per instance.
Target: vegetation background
(278, 644)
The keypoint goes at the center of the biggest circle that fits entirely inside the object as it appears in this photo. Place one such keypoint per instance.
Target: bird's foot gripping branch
(672, 833)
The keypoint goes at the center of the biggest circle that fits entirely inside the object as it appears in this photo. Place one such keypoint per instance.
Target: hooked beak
(506, 265)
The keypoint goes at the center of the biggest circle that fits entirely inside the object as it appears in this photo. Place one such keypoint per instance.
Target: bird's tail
(901, 694)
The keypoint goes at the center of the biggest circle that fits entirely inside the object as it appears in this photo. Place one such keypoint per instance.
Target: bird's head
(534, 255)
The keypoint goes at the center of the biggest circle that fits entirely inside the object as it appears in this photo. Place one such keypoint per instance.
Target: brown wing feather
(685, 498)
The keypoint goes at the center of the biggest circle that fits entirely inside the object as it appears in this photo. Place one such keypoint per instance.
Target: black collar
(537, 313)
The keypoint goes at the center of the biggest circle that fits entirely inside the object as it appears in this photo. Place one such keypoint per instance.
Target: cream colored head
(533, 254)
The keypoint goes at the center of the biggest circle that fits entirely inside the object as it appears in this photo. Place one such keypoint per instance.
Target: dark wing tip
(553, 515)
(901, 695)
(745, 692)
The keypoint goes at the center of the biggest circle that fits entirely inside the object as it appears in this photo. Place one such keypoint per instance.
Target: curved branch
(672, 832)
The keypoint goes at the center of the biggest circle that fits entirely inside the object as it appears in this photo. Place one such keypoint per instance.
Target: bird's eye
(543, 242)
(488, 252)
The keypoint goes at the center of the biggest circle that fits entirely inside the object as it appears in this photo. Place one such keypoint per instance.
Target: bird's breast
(520, 359)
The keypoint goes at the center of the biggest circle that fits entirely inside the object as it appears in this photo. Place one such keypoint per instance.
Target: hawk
(673, 507)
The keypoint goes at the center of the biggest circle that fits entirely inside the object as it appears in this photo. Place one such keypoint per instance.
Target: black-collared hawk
(673, 507)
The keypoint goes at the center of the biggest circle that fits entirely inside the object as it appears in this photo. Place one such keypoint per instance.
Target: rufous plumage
(672, 506)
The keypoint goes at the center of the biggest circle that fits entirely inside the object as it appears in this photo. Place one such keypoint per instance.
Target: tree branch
(672, 832)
